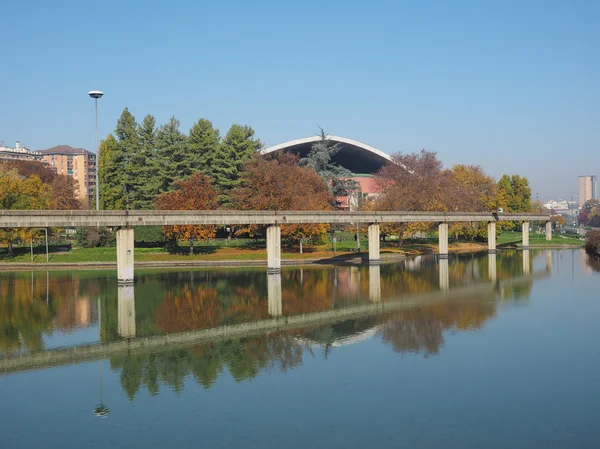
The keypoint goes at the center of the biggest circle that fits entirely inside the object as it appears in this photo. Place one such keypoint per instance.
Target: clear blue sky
(509, 85)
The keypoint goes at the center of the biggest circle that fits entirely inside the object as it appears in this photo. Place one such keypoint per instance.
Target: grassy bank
(246, 249)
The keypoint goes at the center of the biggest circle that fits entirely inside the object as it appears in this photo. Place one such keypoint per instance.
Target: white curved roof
(313, 139)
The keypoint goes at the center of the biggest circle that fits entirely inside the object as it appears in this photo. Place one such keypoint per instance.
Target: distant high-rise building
(78, 163)
(588, 188)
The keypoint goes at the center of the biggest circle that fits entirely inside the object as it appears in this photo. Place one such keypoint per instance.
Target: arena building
(361, 159)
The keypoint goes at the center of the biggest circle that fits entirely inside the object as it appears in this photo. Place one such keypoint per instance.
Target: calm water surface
(478, 351)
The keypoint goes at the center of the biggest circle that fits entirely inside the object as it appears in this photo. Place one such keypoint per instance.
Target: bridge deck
(50, 218)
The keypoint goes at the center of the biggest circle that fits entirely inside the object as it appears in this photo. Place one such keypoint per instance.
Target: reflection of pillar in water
(548, 260)
(375, 283)
(126, 311)
(444, 274)
(274, 294)
(492, 267)
(526, 269)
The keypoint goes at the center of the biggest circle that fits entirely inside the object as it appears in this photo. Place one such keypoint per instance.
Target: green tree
(128, 139)
(238, 146)
(144, 181)
(111, 187)
(172, 157)
(115, 165)
(203, 145)
(514, 193)
(320, 160)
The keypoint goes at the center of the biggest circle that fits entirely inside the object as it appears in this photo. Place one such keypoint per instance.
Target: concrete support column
(375, 283)
(525, 234)
(444, 275)
(548, 230)
(274, 249)
(548, 260)
(126, 311)
(526, 262)
(491, 237)
(443, 239)
(373, 243)
(125, 241)
(274, 294)
(492, 271)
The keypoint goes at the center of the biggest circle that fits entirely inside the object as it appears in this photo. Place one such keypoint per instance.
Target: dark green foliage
(144, 181)
(149, 236)
(203, 145)
(237, 148)
(172, 155)
(92, 237)
(117, 155)
(319, 159)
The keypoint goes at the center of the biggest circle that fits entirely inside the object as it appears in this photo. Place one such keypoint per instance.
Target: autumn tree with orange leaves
(280, 183)
(193, 193)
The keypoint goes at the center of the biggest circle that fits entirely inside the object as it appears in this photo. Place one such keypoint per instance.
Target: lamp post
(95, 94)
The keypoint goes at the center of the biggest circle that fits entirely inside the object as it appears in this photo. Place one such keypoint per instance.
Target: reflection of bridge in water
(277, 322)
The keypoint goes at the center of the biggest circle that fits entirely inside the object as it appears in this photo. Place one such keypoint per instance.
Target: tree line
(145, 166)
(140, 161)
(419, 182)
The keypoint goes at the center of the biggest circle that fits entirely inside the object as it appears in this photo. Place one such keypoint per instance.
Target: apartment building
(78, 163)
(588, 188)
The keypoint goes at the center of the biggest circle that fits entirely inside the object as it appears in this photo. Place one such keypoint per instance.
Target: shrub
(92, 237)
(592, 242)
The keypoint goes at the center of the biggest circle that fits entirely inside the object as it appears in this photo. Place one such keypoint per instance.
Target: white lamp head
(95, 93)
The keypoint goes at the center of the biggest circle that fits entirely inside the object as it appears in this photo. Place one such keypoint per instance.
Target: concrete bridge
(272, 219)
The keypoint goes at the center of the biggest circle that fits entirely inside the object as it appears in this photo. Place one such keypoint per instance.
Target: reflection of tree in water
(200, 307)
(24, 318)
(243, 359)
(593, 262)
(421, 329)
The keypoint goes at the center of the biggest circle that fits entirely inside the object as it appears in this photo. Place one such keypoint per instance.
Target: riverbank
(255, 256)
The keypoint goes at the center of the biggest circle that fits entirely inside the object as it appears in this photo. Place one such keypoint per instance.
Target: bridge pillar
(548, 230)
(274, 294)
(491, 237)
(126, 311)
(375, 283)
(443, 239)
(526, 262)
(125, 241)
(373, 232)
(274, 249)
(444, 274)
(492, 271)
(525, 234)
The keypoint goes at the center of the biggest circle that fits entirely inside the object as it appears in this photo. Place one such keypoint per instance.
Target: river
(476, 351)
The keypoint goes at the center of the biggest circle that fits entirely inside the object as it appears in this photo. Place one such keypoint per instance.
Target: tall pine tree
(238, 146)
(128, 142)
(144, 182)
(203, 144)
(172, 155)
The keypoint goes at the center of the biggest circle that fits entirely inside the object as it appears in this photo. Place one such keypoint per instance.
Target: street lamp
(95, 94)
